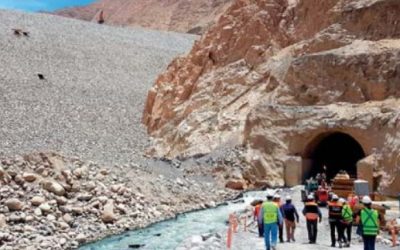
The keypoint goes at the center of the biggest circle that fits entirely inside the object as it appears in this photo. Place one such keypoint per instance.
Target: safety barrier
(233, 226)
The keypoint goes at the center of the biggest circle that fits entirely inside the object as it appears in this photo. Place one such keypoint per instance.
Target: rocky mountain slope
(95, 79)
(275, 76)
(173, 15)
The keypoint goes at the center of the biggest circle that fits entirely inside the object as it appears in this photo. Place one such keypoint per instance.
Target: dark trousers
(347, 228)
(280, 232)
(336, 225)
(260, 229)
(312, 228)
(369, 242)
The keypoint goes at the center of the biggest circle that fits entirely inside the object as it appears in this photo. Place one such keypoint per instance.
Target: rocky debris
(34, 215)
(177, 15)
(274, 76)
(71, 107)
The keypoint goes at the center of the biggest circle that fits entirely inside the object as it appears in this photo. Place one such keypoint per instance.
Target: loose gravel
(91, 99)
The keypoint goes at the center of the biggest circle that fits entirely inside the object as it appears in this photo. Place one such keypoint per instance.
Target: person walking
(312, 213)
(369, 220)
(347, 221)
(335, 218)
(291, 217)
(256, 214)
(277, 201)
(270, 215)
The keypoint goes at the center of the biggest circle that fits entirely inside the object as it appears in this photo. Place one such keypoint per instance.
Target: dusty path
(250, 240)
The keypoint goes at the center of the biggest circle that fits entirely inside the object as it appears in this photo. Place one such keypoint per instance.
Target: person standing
(256, 214)
(369, 219)
(312, 213)
(335, 218)
(347, 221)
(291, 216)
(277, 201)
(270, 216)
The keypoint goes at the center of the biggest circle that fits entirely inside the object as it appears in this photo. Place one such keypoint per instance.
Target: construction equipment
(343, 185)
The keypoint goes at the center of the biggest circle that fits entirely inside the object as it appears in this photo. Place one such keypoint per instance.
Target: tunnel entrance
(334, 151)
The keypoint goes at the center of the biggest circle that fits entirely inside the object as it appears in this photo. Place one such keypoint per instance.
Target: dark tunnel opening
(337, 151)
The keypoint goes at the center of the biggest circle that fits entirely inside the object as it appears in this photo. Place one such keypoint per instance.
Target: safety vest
(347, 213)
(335, 210)
(270, 211)
(369, 221)
(311, 211)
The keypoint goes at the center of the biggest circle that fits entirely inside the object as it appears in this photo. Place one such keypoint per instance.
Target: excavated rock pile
(48, 201)
(275, 75)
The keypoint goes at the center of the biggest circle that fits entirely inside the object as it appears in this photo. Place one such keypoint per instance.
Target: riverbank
(48, 200)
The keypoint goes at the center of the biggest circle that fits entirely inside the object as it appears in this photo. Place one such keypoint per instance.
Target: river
(169, 234)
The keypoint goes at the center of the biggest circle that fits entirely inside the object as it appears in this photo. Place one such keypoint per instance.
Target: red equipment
(322, 197)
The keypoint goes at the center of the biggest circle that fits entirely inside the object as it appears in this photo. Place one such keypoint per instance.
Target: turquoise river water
(169, 234)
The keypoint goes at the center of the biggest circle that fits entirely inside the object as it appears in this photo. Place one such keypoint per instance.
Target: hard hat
(288, 198)
(310, 197)
(277, 196)
(366, 200)
(341, 200)
(335, 197)
(270, 194)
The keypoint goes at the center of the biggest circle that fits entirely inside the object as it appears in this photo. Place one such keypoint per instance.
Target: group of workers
(271, 217)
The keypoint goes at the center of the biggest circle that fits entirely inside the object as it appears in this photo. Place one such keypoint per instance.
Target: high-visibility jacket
(270, 211)
(369, 221)
(347, 214)
(335, 210)
(311, 211)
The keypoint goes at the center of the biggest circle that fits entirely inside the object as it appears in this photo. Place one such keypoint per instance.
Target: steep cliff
(173, 15)
(274, 75)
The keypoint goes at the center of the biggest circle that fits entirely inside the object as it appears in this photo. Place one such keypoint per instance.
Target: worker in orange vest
(312, 213)
(335, 220)
(277, 201)
(256, 213)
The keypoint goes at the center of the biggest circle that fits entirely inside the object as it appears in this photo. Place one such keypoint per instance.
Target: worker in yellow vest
(270, 215)
(369, 219)
(347, 221)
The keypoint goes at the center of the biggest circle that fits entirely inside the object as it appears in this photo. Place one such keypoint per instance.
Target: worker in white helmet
(335, 218)
(369, 219)
(312, 213)
(271, 217)
(290, 216)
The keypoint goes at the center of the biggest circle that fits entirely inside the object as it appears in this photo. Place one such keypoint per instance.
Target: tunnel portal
(336, 151)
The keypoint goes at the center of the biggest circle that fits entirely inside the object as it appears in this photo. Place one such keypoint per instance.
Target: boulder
(37, 200)
(29, 177)
(14, 204)
(107, 215)
(236, 184)
(3, 222)
(53, 187)
(45, 208)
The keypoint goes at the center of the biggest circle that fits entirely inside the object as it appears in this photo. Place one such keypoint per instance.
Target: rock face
(174, 15)
(279, 76)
